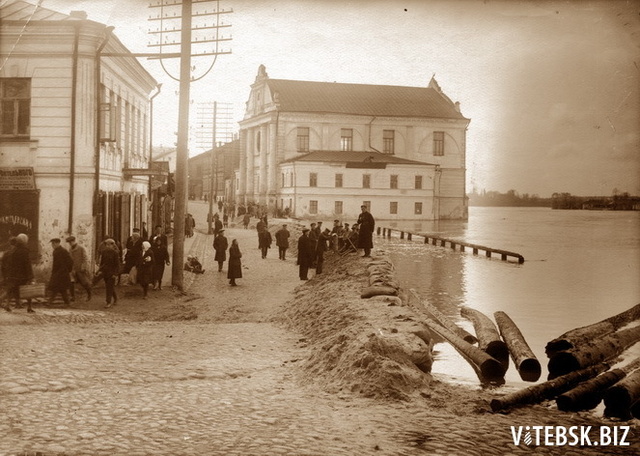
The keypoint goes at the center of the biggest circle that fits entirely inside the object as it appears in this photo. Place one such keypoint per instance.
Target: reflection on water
(580, 267)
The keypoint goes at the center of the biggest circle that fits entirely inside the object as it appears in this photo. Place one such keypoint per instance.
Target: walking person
(366, 225)
(60, 273)
(133, 251)
(80, 272)
(225, 220)
(17, 270)
(245, 220)
(282, 241)
(145, 268)
(235, 265)
(160, 259)
(217, 224)
(264, 242)
(220, 245)
(159, 234)
(109, 269)
(305, 254)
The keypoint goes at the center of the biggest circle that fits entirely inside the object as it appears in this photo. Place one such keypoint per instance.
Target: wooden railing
(453, 244)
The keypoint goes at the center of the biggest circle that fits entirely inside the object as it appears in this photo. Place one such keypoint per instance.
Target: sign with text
(17, 179)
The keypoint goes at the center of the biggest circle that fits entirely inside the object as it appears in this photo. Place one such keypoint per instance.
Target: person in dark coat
(366, 225)
(235, 265)
(321, 247)
(305, 254)
(60, 280)
(217, 224)
(145, 268)
(245, 220)
(109, 269)
(17, 270)
(282, 241)
(133, 252)
(225, 220)
(264, 241)
(160, 235)
(160, 259)
(220, 245)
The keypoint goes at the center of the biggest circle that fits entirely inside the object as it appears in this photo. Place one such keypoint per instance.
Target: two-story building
(323, 149)
(74, 129)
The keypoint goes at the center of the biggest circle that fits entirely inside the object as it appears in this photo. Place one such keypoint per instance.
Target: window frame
(389, 142)
(366, 181)
(417, 208)
(418, 183)
(338, 207)
(346, 139)
(393, 207)
(438, 143)
(339, 181)
(19, 111)
(393, 181)
(313, 206)
(313, 179)
(302, 140)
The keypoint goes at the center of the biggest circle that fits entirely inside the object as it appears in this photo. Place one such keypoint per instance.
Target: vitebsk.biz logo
(570, 435)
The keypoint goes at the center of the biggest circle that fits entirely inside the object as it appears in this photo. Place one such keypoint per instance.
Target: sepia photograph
(319, 227)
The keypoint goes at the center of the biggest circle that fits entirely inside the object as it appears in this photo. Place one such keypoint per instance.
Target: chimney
(78, 14)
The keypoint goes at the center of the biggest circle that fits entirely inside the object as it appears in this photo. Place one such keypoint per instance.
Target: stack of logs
(579, 360)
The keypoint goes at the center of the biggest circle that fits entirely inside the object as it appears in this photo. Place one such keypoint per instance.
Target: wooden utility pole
(212, 189)
(179, 213)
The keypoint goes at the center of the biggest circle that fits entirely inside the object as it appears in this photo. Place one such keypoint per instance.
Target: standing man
(60, 272)
(305, 253)
(80, 270)
(217, 224)
(366, 225)
(109, 269)
(321, 247)
(220, 245)
(282, 241)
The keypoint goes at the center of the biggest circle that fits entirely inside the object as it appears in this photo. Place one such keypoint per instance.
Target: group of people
(220, 245)
(315, 241)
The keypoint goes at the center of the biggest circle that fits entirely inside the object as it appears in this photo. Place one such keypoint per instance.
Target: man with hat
(366, 225)
(80, 270)
(282, 241)
(133, 252)
(60, 272)
(305, 253)
(220, 245)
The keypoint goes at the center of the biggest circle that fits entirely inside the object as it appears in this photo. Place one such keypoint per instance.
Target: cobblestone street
(146, 378)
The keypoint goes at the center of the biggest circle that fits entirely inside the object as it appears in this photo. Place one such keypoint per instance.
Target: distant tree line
(616, 202)
(511, 198)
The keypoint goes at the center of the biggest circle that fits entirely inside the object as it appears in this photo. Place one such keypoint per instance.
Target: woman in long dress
(235, 265)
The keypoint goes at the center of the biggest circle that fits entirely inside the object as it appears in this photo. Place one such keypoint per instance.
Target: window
(313, 207)
(394, 181)
(366, 181)
(16, 106)
(418, 208)
(346, 139)
(303, 139)
(337, 207)
(393, 207)
(438, 143)
(338, 180)
(313, 179)
(388, 141)
(418, 182)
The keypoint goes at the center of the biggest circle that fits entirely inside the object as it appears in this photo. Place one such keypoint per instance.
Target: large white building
(74, 137)
(324, 149)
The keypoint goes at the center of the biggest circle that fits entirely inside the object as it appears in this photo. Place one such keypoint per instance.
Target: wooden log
(587, 395)
(593, 351)
(620, 397)
(441, 318)
(488, 369)
(488, 336)
(523, 357)
(546, 390)
(577, 336)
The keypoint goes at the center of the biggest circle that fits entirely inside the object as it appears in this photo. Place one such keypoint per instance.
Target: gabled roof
(361, 99)
(354, 157)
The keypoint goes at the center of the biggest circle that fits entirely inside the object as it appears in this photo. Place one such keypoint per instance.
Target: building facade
(321, 150)
(75, 119)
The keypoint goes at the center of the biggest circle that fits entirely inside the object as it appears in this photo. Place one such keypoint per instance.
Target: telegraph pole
(185, 79)
(212, 188)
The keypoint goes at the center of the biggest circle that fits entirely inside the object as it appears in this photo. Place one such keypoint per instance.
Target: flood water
(580, 267)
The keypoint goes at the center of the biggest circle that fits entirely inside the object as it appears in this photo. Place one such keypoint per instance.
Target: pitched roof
(362, 99)
(353, 157)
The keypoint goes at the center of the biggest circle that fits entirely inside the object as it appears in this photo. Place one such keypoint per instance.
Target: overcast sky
(551, 88)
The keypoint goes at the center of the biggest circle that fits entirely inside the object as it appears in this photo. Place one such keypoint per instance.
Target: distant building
(221, 163)
(324, 149)
(74, 135)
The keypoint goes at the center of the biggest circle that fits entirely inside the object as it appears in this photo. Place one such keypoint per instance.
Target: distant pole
(211, 174)
(183, 149)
